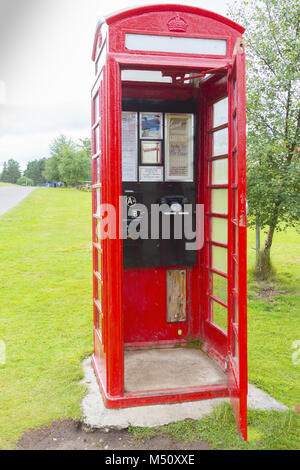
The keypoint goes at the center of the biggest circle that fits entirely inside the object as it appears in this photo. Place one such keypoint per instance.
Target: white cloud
(31, 146)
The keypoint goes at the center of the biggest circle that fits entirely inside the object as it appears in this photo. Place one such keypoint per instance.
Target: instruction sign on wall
(129, 146)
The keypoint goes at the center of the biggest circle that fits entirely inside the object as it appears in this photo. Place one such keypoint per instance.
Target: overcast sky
(46, 70)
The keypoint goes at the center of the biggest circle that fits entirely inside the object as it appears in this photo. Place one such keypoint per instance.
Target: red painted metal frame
(237, 288)
(156, 397)
(215, 339)
(109, 339)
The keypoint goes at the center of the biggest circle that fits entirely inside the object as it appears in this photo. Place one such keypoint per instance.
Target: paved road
(10, 196)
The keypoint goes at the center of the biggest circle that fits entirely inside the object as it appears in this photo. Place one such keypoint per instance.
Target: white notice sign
(151, 173)
(129, 146)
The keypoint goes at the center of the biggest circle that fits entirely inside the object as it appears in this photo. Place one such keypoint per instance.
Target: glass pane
(234, 167)
(101, 60)
(234, 132)
(99, 318)
(219, 230)
(96, 104)
(99, 271)
(219, 288)
(235, 312)
(219, 315)
(97, 142)
(155, 43)
(98, 176)
(219, 201)
(235, 204)
(220, 142)
(235, 276)
(236, 351)
(98, 231)
(99, 139)
(144, 76)
(98, 201)
(220, 112)
(219, 259)
(235, 234)
(220, 171)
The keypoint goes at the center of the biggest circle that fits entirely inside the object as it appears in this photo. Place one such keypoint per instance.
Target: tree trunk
(257, 238)
(263, 268)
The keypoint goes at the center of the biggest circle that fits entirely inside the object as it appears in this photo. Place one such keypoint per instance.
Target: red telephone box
(168, 133)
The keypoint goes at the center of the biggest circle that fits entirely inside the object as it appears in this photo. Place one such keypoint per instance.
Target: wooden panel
(176, 295)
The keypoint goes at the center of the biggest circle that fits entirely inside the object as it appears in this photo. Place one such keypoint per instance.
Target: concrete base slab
(96, 415)
(153, 369)
(257, 399)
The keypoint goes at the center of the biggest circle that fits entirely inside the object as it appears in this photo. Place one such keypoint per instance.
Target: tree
(57, 147)
(34, 171)
(11, 172)
(69, 162)
(273, 114)
(51, 172)
(4, 174)
(86, 145)
(74, 167)
(23, 181)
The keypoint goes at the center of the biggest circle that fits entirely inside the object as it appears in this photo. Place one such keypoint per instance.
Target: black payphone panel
(146, 146)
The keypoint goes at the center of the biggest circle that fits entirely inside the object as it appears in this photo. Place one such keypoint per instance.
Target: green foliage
(85, 144)
(74, 167)
(35, 170)
(69, 162)
(273, 111)
(23, 181)
(11, 172)
(4, 174)
(51, 172)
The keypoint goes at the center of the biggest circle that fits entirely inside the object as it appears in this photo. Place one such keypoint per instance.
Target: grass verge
(273, 320)
(46, 315)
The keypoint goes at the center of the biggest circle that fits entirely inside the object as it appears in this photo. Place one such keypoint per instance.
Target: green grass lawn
(274, 320)
(46, 314)
(46, 325)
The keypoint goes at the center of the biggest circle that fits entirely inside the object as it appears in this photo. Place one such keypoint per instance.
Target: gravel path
(10, 196)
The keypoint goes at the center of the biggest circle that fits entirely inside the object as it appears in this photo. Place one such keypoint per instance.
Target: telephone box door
(237, 269)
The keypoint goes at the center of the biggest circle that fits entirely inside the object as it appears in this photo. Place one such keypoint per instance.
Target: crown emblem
(177, 24)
